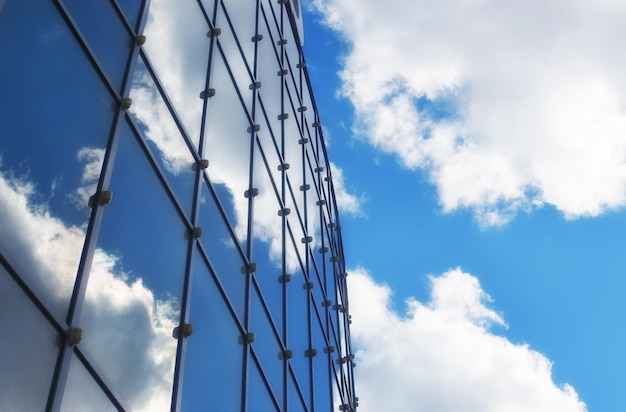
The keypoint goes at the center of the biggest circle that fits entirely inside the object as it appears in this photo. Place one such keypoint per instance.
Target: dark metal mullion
(187, 286)
(80, 284)
(209, 70)
(250, 231)
(309, 256)
(285, 224)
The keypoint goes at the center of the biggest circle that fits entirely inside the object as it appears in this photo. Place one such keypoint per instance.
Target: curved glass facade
(169, 235)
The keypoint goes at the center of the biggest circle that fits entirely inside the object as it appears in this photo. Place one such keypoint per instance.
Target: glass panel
(242, 16)
(307, 120)
(44, 185)
(214, 359)
(222, 251)
(240, 11)
(164, 139)
(178, 47)
(106, 35)
(321, 372)
(268, 73)
(272, 10)
(82, 393)
(298, 329)
(259, 399)
(296, 403)
(266, 346)
(228, 147)
(292, 59)
(209, 8)
(131, 9)
(268, 247)
(29, 347)
(295, 181)
(134, 289)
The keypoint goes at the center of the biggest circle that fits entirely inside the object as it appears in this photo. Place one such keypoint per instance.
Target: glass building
(169, 234)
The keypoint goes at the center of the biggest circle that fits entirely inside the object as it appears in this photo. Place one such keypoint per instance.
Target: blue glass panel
(296, 403)
(131, 9)
(105, 33)
(298, 329)
(222, 251)
(45, 185)
(28, 350)
(259, 399)
(164, 139)
(321, 372)
(82, 393)
(214, 358)
(132, 302)
(178, 47)
(266, 345)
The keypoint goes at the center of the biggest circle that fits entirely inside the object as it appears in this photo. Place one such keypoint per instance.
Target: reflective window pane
(266, 345)
(164, 139)
(222, 251)
(105, 35)
(29, 347)
(321, 372)
(214, 358)
(259, 398)
(178, 47)
(82, 393)
(297, 328)
(131, 9)
(133, 294)
(54, 133)
(227, 147)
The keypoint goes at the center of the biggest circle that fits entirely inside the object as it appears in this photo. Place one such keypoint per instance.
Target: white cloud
(346, 201)
(442, 356)
(535, 90)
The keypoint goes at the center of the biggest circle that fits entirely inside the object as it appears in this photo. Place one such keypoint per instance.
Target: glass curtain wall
(169, 235)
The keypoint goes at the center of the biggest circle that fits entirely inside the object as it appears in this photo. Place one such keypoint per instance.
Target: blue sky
(527, 199)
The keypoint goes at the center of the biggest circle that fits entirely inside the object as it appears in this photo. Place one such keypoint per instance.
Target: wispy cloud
(443, 356)
(508, 106)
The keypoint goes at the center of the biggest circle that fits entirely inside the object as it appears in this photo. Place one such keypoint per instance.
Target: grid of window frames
(169, 235)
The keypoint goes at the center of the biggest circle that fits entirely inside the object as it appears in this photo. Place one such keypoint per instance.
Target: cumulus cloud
(443, 356)
(507, 105)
